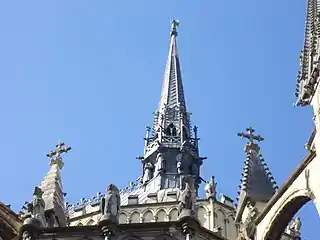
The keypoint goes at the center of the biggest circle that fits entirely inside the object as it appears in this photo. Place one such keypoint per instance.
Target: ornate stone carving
(34, 211)
(109, 208)
(179, 163)
(295, 227)
(55, 156)
(110, 205)
(148, 172)
(187, 198)
(248, 228)
(160, 164)
(210, 188)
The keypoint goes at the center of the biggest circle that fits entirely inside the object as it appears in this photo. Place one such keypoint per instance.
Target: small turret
(257, 183)
(51, 186)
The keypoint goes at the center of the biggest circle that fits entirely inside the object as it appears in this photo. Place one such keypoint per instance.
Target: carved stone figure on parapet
(110, 205)
(179, 163)
(109, 208)
(187, 198)
(33, 216)
(210, 188)
(34, 211)
(248, 228)
(148, 172)
(160, 164)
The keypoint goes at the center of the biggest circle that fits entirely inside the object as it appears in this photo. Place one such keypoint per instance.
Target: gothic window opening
(171, 130)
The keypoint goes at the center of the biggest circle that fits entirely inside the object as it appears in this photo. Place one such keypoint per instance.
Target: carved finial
(55, 156)
(249, 135)
(174, 25)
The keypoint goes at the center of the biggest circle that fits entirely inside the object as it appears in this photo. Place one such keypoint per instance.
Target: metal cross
(55, 156)
(250, 135)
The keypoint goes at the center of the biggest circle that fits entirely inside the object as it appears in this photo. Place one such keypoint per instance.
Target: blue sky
(90, 72)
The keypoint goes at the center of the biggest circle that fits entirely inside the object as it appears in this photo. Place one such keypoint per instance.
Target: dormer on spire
(257, 182)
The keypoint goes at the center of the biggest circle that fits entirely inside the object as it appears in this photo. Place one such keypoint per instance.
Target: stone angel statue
(210, 188)
(110, 204)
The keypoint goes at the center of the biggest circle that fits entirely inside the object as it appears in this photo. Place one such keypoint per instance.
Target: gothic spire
(172, 95)
(170, 150)
(257, 182)
(51, 186)
(309, 56)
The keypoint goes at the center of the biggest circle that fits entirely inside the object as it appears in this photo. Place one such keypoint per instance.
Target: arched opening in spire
(171, 130)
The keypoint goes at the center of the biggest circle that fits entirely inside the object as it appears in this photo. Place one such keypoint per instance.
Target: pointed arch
(134, 217)
(147, 216)
(171, 130)
(288, 208)
(161, 215)
(123, 217)
(202, 215)
(173, 214)
(220, 220)
(232, 231)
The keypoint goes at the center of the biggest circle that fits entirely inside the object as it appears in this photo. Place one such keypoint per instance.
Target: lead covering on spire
(172, 95)
(257, 182)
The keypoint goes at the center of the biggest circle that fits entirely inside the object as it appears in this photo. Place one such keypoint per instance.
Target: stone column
(30, 229)
(188, 226)
(108, 227)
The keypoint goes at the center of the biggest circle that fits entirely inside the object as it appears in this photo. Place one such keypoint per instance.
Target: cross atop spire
(55, 156)
(249, 135)
(257, 182)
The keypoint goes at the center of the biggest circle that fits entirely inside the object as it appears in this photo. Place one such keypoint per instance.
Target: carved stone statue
(160, 164)
(295, 226)
(148, 172)
(210, 188)
(179, 163)
(248, 228)
(187, 199)
(34, 211)
(110, 204)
